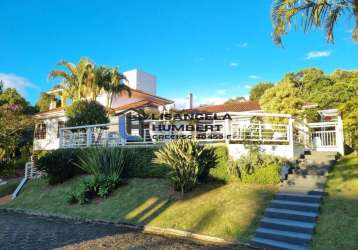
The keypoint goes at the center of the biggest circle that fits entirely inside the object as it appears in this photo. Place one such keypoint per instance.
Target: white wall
(141, 80)
(51, 141)
(237, 150)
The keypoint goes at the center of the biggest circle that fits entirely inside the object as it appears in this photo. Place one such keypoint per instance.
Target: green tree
(78, 80)
(259, 89)
(110, 80)
(312, 13)
(285, 97)
(44, 101)
(86, 112)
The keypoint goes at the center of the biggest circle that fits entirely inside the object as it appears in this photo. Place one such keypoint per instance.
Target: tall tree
(259, 89)
(78, 80)
(312, 13)
(111, 81)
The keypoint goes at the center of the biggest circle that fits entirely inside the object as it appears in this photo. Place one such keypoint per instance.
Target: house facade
(143, 96)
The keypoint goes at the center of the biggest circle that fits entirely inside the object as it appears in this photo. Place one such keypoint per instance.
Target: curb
(165, 232)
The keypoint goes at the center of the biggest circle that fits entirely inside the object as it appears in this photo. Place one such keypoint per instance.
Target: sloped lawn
(338, 222)
(231, 211)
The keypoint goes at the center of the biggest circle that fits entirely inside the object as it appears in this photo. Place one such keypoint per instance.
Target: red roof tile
(229, 107)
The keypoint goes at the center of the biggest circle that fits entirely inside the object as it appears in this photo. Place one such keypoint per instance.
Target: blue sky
(214, 49)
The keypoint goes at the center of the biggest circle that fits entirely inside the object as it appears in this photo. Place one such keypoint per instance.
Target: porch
(277, 134)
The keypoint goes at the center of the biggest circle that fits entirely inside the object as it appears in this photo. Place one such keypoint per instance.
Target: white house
(248, 124)
(143, 95)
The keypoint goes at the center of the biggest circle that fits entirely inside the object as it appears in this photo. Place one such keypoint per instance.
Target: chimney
(189, 101)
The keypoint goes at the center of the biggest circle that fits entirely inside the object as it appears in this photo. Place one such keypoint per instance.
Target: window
(60, 124)
(40, 131)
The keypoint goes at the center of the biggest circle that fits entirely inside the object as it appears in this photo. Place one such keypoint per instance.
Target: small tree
(85, 112)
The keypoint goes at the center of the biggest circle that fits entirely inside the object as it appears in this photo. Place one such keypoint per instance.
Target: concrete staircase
(290, 220)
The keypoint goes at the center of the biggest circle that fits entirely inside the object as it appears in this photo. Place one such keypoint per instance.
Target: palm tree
(312, 13)
(111, 81)
(78, 80)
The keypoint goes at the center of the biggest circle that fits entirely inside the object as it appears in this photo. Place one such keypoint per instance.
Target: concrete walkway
(290, 220)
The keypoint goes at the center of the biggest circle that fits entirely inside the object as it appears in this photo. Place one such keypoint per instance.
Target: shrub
(140, 163)
(220, 172)
(187, 160)
(93, 186)
(256, 167)
(267, 175)
(59, 165)
(86, 112)
(108, 161)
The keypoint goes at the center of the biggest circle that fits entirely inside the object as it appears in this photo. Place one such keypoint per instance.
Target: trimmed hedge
(60, 164)
(266, 175)
(221, 172)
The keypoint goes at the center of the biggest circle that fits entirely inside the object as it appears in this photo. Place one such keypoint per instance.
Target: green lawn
(231, 211)
(338, 223)
(9, 187)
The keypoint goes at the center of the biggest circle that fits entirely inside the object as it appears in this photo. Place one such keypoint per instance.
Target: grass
(337, 224)
(230, 211)
(9, 187)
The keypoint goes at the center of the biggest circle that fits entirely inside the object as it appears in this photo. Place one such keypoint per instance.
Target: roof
(229, 107)
(140, 93)
(146, 99)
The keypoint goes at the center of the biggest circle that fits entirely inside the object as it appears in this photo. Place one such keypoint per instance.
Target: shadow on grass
(229, 211)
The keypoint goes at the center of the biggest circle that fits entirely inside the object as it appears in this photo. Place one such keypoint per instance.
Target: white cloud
(242, 45)
(233, 64)
(254, 77)
(317, 54)
(248, 86)
(221, 91)
(21, 84)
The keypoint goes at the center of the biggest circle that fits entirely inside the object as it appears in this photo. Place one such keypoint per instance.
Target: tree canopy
(312, 13)
(336, 90)
(259, 89)
(86, 112)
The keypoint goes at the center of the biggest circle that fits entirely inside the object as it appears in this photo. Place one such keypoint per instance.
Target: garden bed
(231, 211)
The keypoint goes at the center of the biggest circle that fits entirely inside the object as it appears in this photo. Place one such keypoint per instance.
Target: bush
(256, 167)
(93, 186)
(189, 161)
(60, 165)
(220, 172)
(140, 164)
(107, 161)
(266, 175)
(85, 113)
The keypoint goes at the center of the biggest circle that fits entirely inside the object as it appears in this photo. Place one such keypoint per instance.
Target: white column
(340, 136)
(290, 137)
(89, 136)
(227, 130)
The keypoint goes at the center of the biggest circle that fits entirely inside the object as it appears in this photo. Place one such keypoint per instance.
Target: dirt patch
(5, 199)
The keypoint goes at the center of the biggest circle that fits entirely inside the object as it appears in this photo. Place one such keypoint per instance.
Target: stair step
(288, 225)
(284, 236)
(294, 205)
(298, 197)
(291, 214)
(275, 244)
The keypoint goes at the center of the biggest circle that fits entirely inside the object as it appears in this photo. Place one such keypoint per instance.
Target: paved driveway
(18, 231)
